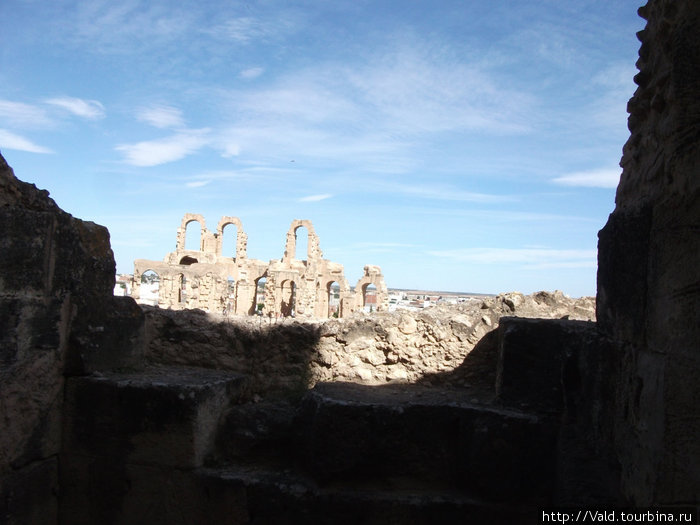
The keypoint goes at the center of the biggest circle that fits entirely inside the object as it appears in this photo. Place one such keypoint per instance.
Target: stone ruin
(208, 279)
(97, 427)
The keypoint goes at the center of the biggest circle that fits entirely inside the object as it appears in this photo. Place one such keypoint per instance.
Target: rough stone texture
(399, 438)
(130, 439)
(649, 265)
(401, 346)
(559, 369)
(212, 281)
(57, 316)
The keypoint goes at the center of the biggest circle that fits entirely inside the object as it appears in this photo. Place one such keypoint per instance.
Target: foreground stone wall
(57, 317)
(294, 286)
(401, 346)
(649, 265)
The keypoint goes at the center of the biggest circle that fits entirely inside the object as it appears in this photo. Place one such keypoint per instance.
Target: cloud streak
(602, 178)
(315, 198)
(161, 151)
(162, 117)
(10, 140)
(88, 109)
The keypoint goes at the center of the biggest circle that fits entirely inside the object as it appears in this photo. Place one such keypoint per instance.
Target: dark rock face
(57, 315)
(649, 265)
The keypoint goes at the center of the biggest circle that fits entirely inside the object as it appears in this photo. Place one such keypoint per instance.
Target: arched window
(259, 301)
(187, 260)
(149, 289)
(229, 240)
(333, 299)
(288, 302)
(193, 236)
(369, 298)
(301, 235)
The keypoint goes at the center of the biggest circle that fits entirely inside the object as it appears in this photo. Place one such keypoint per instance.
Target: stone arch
(288, 294)
(372, 275)
(241, 237)
(182, 230)
(313, 245)
(149, 287)
(229, 305)
(259, 295)
(187, 260)
(333, 298)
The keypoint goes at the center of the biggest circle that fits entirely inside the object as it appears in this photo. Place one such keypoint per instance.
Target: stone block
(164, 416)
(532, 355)
(373, 433)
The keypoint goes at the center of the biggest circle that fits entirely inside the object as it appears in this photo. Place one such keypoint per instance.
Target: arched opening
(369, 298)
(149, 289)
(187, 260)
(182, 290)
(288, 304)
(193, 236)
(230, 304)
(333, 299)
(301, 242)
(259, 300)
(229, 241)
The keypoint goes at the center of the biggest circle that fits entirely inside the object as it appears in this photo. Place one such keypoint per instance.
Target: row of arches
(150, 283)
(227, 237)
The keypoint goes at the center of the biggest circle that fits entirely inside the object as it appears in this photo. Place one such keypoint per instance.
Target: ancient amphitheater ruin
(117, 413)
(212, 281)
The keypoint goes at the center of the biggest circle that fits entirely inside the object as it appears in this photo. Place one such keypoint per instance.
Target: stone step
(274, 496)
(409, 435)
(152, 420)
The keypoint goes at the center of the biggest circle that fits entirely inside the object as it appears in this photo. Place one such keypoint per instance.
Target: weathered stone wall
(57, 317)
(649, 265)
(401, 346)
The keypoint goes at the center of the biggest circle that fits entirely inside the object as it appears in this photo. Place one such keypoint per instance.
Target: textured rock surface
(649, 265)
(57, 316)
(401, 346)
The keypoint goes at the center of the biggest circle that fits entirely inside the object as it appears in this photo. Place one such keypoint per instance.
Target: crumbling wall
(649, 265)
(402, 346)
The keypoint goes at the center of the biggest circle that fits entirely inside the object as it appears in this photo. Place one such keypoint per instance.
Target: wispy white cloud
(251, 72)
(316, 198)
(244, 29)
(197, 183)
(24, 115)
(602, 178)
(162, 151)
(530, 258)
(442, 192)
(161, 116)
(10, 140)
(89, 109)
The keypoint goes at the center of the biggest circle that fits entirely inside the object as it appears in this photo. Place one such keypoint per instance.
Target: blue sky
(460, 145)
